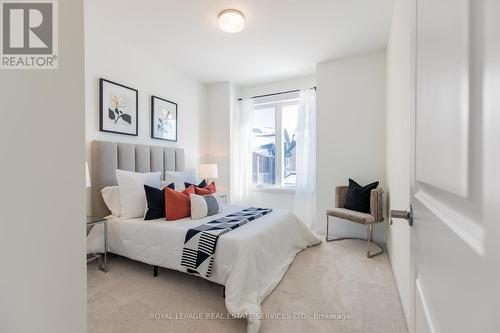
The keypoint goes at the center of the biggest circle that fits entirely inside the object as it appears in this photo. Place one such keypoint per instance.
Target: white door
(455, 190)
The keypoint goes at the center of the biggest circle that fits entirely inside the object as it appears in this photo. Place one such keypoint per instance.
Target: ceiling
(282, 38)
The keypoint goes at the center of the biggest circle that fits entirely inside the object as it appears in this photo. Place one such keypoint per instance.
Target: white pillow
(111, 196)
(179, 177)
(132, 196)
(205, 205)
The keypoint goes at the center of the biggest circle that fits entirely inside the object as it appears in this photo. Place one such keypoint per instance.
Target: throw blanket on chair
(200, 242)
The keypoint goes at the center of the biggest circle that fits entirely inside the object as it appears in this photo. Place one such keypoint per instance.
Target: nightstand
(103, 257)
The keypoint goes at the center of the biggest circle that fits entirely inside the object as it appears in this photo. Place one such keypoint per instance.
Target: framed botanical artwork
(118, 108)
(163, 119)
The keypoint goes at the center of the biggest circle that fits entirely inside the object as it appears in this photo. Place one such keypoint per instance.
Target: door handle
(403, 214)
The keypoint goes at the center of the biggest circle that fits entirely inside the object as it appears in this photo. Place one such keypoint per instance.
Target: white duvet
(249, 261)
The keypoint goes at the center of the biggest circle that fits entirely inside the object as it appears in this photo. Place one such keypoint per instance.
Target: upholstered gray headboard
(109, 156)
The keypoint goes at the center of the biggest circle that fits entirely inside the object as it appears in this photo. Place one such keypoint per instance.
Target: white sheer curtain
(305, 190)
(241, 153)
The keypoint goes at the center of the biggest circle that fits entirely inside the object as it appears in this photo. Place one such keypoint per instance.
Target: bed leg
(224, 292)
(155, 271)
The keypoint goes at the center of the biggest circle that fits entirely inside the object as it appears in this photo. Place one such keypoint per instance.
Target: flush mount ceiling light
(231, 20)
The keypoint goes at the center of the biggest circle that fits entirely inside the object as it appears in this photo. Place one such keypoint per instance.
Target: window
(274, 140)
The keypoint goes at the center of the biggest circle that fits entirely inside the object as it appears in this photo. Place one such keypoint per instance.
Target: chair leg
(368, 239)
(327, 228)
(369, 230)
(336, 239)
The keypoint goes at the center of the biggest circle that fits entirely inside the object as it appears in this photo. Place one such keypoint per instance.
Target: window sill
(274, 189)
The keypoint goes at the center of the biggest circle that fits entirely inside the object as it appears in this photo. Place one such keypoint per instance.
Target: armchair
(375, 216)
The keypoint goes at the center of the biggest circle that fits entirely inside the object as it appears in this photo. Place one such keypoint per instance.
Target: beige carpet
(335, 280)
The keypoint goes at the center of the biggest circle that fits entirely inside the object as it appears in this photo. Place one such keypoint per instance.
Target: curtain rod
(278, 93)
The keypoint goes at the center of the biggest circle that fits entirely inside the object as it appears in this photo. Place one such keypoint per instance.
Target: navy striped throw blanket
(200, 242)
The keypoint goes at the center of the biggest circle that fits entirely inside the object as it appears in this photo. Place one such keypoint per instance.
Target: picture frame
(118, 108)
(164, 119)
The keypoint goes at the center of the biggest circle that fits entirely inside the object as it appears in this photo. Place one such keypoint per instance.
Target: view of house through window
(274, 142)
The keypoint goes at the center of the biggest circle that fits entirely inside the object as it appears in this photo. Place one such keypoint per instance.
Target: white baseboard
(349, 233)
(404, 301)
(342, 229)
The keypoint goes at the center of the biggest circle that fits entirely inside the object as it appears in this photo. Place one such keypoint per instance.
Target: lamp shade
(87, 175)
(208, 171)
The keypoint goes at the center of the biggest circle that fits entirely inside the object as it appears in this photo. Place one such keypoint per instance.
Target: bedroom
(249, 166)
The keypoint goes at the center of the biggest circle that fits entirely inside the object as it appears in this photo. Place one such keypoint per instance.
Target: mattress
(249, 261)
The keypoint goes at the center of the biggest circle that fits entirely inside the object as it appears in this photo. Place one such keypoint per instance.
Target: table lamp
(208, 171)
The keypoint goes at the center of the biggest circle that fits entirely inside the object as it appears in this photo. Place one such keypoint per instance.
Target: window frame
(279, 139)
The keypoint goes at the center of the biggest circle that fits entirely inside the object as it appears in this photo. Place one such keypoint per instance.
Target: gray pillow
(205, 205)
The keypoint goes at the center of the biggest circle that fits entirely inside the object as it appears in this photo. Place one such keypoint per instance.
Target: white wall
(350, 132)
(42, 198)
(283, 199)
(112, 58)
(400, 99)
(219, 103)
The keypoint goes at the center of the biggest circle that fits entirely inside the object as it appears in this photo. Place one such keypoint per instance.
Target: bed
(249, 261)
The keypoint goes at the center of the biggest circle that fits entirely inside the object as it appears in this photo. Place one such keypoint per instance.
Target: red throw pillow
(177, 204)
(206, 190)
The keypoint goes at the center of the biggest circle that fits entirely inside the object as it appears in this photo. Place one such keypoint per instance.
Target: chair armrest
(376, 207)
(340, 195)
